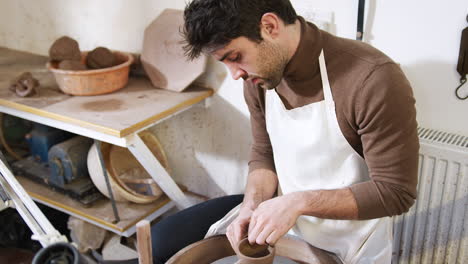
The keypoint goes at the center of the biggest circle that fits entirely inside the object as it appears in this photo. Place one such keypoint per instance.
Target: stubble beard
(271, 63)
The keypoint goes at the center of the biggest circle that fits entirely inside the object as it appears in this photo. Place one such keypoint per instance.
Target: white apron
(311, 153)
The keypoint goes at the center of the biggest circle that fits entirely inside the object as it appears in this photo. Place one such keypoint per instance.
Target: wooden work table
(115, 118)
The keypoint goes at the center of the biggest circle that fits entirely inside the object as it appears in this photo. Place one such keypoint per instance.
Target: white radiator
(435, 230)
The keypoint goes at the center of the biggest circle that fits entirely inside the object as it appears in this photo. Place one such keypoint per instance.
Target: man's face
(262, 63)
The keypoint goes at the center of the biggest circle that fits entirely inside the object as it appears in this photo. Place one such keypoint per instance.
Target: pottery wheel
(218, 250)
(233, 259)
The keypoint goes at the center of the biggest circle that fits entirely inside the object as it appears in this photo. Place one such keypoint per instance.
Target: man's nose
(237, 73)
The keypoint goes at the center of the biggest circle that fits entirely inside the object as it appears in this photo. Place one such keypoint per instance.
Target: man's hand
(237, 230)
(261, 185)
(273, 218)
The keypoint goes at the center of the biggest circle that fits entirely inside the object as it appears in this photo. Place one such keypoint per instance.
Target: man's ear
(270, 25)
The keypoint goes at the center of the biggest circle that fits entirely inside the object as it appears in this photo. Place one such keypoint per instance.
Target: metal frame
(42, 229)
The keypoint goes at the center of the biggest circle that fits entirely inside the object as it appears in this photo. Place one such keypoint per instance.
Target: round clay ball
(65, 48)
(100, 58)
(72, 65)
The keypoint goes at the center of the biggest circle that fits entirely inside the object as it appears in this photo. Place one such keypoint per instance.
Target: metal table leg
(106, 177)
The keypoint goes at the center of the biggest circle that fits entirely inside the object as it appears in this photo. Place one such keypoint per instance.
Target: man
(334, 132)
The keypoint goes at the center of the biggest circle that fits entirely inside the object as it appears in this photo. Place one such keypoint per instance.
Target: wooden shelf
(100, 212)
(115, 118)
(117, 114)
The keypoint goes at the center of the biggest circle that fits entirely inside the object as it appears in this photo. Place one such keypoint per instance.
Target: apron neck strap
(325, 84)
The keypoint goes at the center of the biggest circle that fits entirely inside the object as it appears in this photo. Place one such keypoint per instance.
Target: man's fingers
(235, 232)
(254, 232)
(263, 235)
(231, 237)
(252, 224)
(238, 233)
(230, 241)
(272, 238)
(229, 232)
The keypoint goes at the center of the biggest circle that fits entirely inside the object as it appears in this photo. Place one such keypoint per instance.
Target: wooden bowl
(131, 175)
(128, 179)
(93, 82)
(97, 176)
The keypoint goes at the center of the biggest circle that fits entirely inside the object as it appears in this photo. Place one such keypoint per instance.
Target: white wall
(208, 148)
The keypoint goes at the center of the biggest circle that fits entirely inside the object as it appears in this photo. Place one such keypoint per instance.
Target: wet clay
(72, 65)
(65, 48)
(254, 254)
(24, 85)
(100, 58)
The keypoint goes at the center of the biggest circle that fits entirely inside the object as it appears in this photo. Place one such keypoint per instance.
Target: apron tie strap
(324, 75)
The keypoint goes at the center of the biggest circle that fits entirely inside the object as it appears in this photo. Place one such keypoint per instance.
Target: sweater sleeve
(261, 153)
(386, 119)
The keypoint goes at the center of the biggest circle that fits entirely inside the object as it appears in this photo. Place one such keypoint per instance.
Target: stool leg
(145, 254)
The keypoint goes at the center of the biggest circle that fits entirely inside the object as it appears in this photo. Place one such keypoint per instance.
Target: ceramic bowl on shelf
(93, 81)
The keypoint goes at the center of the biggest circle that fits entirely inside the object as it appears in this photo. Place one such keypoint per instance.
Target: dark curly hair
(211, 24)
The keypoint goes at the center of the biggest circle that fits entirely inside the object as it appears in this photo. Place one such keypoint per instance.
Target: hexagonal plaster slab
(163, 57)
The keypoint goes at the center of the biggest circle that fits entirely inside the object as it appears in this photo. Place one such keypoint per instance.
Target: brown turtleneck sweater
(375, 111)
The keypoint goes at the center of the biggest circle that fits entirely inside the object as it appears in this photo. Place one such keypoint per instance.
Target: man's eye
(235, 59)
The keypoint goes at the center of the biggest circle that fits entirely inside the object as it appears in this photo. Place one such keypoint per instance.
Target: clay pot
(254, 254)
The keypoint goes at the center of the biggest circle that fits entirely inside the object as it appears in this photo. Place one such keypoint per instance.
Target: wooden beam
(145, 254)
